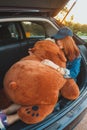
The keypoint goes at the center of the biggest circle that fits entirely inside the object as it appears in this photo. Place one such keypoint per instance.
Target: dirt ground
(82, 125)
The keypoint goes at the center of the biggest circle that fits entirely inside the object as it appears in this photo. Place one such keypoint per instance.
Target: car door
(10, 49)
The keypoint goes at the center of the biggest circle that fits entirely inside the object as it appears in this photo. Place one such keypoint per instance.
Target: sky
(79, 11)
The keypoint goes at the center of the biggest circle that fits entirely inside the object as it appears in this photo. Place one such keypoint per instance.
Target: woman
(63, 38)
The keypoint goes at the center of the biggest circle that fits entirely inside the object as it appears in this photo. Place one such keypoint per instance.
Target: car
(22, 23)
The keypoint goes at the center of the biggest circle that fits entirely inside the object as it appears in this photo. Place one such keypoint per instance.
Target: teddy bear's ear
(13, 85)
(32, 50)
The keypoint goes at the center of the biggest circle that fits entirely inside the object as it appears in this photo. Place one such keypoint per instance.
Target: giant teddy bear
(36, 86)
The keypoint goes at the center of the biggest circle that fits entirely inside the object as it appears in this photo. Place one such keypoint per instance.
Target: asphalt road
(83, 124)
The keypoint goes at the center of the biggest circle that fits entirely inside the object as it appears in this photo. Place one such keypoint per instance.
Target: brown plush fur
(36, 86)
(30, 83)
(70, 90)
(33, 85)
(47, 50)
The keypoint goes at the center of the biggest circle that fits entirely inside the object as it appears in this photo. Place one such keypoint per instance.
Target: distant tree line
(77, 28)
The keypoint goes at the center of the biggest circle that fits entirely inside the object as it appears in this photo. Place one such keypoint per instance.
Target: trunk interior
(61, 105)
(16, 53)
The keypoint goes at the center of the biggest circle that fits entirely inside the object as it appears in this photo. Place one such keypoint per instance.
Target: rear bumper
(76, 121)
(64, 120)
(71, 118)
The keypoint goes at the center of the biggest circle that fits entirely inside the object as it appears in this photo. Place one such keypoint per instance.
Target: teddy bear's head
(46, 49)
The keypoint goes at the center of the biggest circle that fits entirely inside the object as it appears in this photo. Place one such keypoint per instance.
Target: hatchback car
(22, 23)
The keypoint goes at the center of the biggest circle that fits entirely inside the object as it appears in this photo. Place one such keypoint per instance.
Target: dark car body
(22, 23)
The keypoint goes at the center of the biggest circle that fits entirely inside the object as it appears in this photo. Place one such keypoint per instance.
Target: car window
(33, 30)
(13, 31)
(8, 32)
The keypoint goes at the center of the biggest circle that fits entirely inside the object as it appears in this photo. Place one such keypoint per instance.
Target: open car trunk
(62, 107)
(47, 7)
(11, 50)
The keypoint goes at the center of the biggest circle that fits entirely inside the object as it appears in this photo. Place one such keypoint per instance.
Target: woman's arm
(74, 67)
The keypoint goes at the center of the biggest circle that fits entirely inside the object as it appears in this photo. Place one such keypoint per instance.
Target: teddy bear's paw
(33, 111)
(70, 90)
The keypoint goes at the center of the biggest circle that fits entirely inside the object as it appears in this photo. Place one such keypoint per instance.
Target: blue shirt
(74, 67)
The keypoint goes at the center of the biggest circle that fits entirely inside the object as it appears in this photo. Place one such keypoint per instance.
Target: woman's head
(70, 48)
(65, 41)
(62, 33)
